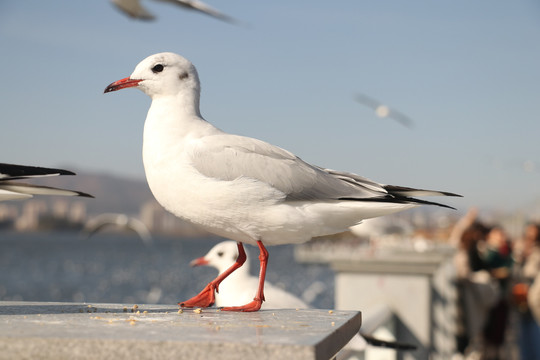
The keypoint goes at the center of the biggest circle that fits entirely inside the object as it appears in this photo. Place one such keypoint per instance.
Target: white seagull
(10, 189)
(242, 188)
(239, 287)
(384, 111)
(134, 9)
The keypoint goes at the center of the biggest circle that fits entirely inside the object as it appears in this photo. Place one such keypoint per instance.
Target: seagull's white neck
(176, 116)
(185, 103)
(172, 122)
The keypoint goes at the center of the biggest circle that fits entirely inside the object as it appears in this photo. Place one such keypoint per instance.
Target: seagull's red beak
(121, 84)
(199, 262)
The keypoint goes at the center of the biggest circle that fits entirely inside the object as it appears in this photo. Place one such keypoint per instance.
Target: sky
(467, 73)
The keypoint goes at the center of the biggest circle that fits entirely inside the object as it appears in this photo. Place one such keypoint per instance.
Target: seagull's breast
(226, 207)
(233, 209)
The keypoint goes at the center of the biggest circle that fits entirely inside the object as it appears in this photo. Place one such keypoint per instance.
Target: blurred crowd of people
(498, 281)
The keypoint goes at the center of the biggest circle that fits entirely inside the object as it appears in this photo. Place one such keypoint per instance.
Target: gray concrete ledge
(391, 265)
(37, 330)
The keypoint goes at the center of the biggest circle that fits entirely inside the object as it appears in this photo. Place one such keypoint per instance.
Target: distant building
(158, 220)
(32, 210)
(77, 214)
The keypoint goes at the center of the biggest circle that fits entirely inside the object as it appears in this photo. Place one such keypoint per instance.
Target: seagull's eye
(220, 254)
(157, 68)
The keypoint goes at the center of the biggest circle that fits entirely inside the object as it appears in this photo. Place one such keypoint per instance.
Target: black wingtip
(388, 344)
(13, 171)
(65, 172)
(81, 194)
(426, 202)
(399, 200)
(445, 193)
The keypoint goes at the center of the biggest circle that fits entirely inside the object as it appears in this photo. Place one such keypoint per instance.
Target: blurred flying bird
(383, 111)
(12, 190)
(134, 9)
(120, 222)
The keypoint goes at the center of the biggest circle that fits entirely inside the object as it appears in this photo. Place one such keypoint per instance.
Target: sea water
(120, 268)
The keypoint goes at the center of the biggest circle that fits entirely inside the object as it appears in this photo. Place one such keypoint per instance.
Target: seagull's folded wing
(229, 157)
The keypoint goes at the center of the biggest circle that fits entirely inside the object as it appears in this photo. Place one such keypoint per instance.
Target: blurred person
(498, 261)
(533, 300)
(476, 288)
(461, 226)
(526, 292)
(531, 251)
(468, 235)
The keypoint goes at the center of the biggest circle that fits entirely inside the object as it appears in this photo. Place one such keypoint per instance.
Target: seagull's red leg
(207, 296)
(255, 305)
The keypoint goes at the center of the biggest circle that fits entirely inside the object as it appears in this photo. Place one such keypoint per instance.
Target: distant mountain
(112, 193)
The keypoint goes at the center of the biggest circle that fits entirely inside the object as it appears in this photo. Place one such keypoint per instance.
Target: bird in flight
(384, 111)
(134, 9)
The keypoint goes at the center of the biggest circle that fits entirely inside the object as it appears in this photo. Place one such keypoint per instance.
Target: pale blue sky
(466, 71)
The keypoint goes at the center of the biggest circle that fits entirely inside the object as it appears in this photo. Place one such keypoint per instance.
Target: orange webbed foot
(205, 298)
(255, 305)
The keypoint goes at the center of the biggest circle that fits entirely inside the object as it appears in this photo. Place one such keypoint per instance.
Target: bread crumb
(330, 311)
(198, 310)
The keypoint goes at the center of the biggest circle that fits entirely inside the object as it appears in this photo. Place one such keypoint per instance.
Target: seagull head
(162, 74)
(221, 256)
